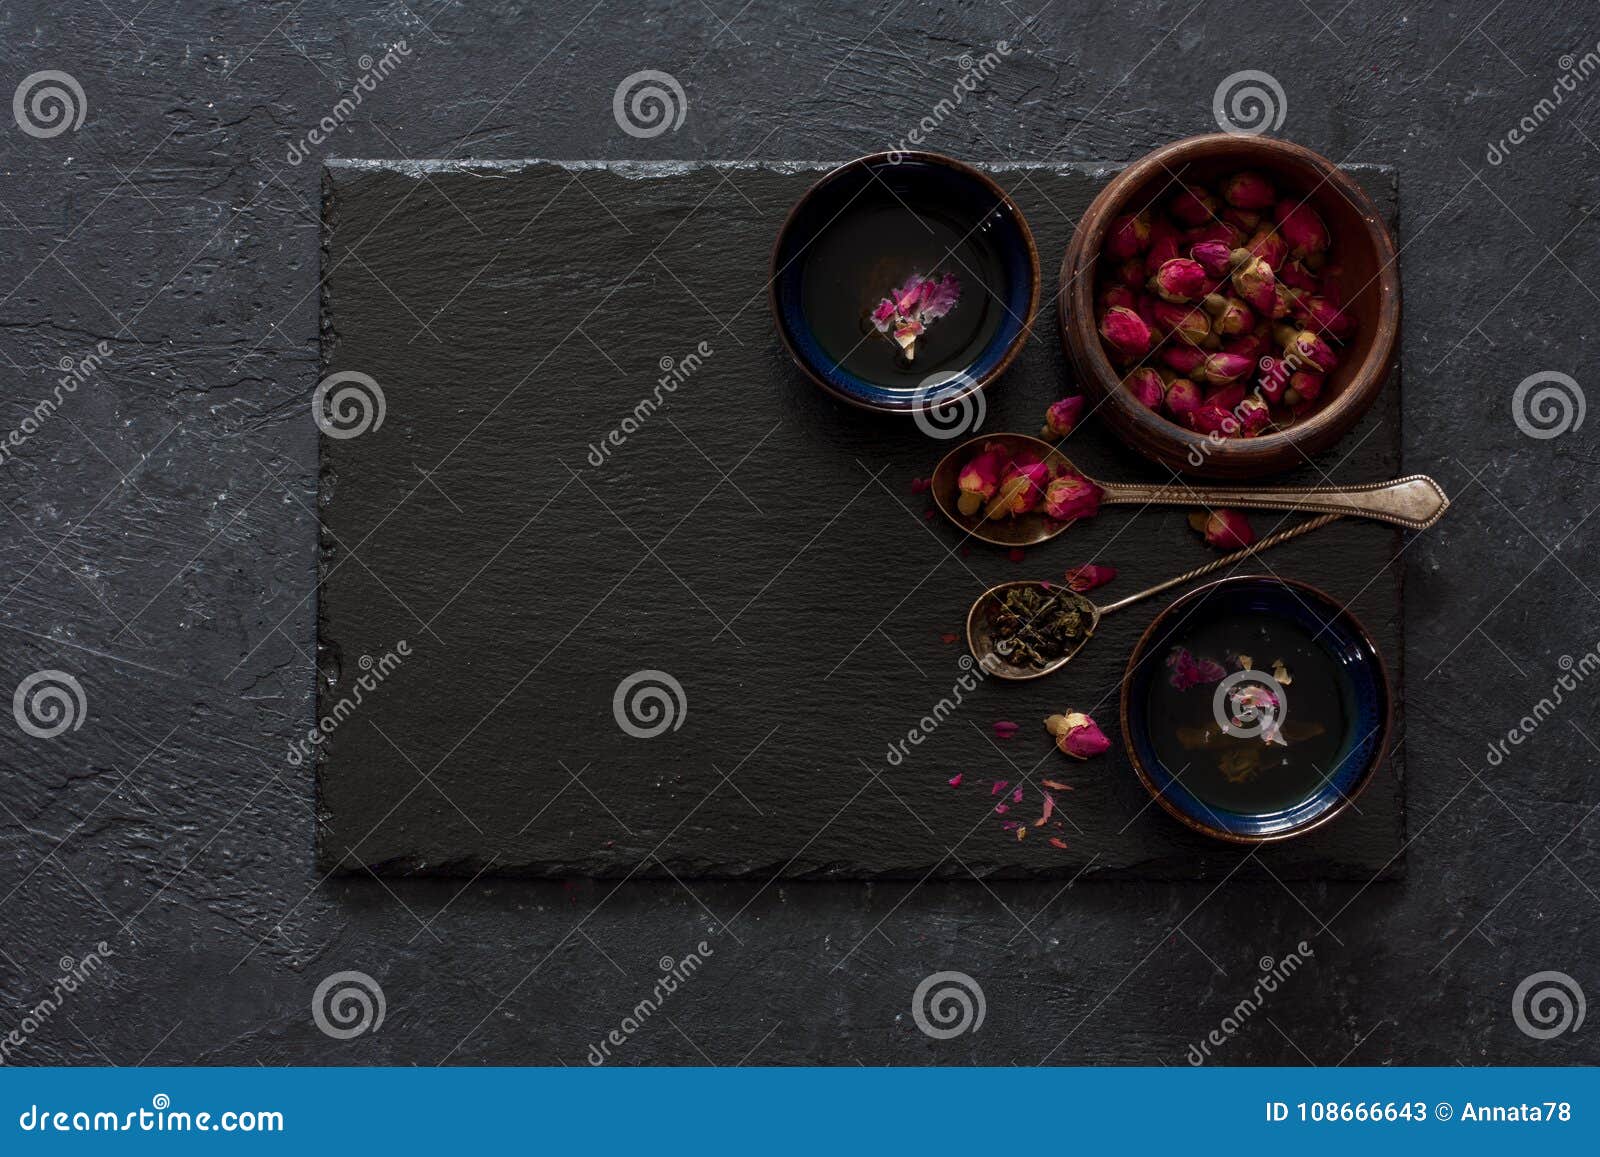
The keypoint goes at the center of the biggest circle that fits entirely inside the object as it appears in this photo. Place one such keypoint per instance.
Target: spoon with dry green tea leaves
(1014, 490)
(1027, 629)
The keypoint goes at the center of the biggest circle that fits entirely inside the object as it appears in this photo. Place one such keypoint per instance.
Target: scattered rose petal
(1187, 671)
(955, 781)
(1002, 808)
(999, 786)
(1011, 825)
(1022, 833)
(918, 485)
(948, 637)
(1015, 554)
(1016, 796)
(1057, 786)
(1085, 578)
(1223, 529)
(1049, 806)
(1056, 841)
(1005, 729)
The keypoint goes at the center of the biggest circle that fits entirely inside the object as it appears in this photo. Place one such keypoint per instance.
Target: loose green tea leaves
(1033, 626)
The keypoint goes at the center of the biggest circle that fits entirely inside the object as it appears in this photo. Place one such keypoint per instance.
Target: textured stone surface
(172, 826)
(752, 540)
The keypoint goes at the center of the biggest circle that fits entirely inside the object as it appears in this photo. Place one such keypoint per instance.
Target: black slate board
(754, 539)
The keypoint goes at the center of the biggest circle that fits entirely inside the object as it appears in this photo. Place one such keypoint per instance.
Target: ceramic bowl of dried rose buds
(1232, 305)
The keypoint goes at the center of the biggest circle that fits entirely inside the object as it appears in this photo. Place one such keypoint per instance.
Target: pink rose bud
(1245, 221)
(1318, 313)
(1183, 398)
(1311, 349)
(1020, 489)
(1268, 244)
(1227, 396)
(1307, 384)
(1125, 332)
(1128, 235)
(1302, 228)
(1283, 300)
(1210, 418)
(1215, 231)
(1071, 496)
(1117, 295)
(1294, 274)
(978, 480)
(1062, 416)
(1146, 385)
(1274, 379)
(1184, 322)
(1089, 576)
(1164, 246)
(1235, 318)
(1253, 415)
(1181, 279)
(1130, 272)
(1250, 345)
(1077, 735)
(1184, 359)
(1253, 280)
(1249, 190)
(1223, 529)
(1220, 368)
(1193, 206)
(1215, 256)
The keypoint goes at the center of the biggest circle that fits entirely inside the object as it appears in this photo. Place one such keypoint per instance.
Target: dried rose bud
(1232, 235)
(1128, 235)
(1071, 496)
(978, 480)
(1294, 274)
(1244, 220)
(1220, 368)
(1089, 576)
(1235, 318)
(1145, 306)
(1192, 206)
(1318, 313)
(1062, 416)
(1210, 418)
(1302, 228)
(1223, 529)
(1214, 256)
(1253, 280)
(1253, 416)
(1268, 244)
(1129, 273)
(1307, 385)
(1311, 349)
(1249, 190)
(1184, 359)
(1125, 332)
(1019, 491)
(1283, 334)
(1250, 345)
(1077, 735)
(1180, 279)
(1146, 385)
(1283, 301)
(1117, 295)
(1163, 247)
(1274, 379)
(1227, 396)
(1184, 322)
(1183, 398)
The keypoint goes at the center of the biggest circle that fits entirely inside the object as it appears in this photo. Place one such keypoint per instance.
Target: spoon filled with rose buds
(1027, 629)
(1015, 490)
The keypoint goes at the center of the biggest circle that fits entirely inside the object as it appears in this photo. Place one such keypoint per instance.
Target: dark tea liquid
(871, 250)
(1193, 747)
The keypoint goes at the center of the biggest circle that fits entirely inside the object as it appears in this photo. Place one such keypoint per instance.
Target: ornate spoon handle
(1415, 502)
(1237, 556)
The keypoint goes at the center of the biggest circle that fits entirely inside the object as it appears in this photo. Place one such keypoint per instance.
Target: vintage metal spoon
(1415, 502)
(980, 636)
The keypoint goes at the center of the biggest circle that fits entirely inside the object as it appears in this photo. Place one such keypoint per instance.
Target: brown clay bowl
(1369, 284)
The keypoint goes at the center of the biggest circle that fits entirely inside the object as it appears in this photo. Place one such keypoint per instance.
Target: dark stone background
(164, 534)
